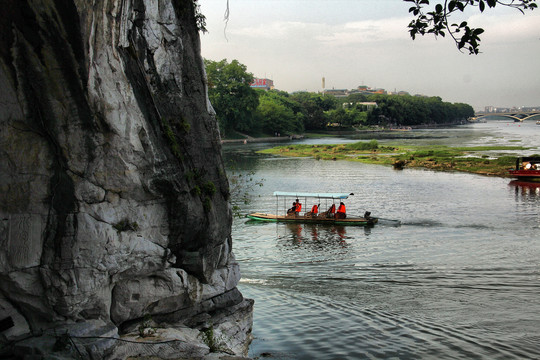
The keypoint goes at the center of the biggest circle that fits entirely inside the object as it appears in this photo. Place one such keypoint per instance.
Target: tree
(276, 114)
(231, 95)
(436, 21)
(414, 110)
(356, 97)
(341, 116)
(314, 107)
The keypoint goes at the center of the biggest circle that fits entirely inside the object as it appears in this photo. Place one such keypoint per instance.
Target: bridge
(516, 116)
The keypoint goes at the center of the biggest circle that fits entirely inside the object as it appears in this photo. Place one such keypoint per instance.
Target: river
(457, 277)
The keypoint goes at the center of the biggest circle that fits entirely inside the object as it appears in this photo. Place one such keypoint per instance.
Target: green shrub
(362, 145)
(126, 225)
(209, 188)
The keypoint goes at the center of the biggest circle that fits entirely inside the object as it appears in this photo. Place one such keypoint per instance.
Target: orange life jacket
(341, 209)
(332, 209)
(315, 209)
(298, 207)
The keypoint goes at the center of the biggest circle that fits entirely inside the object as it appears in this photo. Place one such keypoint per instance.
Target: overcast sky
(366, 42)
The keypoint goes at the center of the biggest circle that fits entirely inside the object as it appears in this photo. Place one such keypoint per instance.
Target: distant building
(337, 92)
(265, 84)
(363, 89)
(359, 90)
(368, 105)
(363, 106)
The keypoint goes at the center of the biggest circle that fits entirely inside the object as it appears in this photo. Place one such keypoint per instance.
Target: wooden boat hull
(351, 221)
(527, 175)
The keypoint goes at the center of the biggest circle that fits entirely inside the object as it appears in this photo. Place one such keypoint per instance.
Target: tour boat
(527, 168)
(308, 200)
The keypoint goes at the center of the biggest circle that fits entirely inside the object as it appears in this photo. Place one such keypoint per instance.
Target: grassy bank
(443, 158)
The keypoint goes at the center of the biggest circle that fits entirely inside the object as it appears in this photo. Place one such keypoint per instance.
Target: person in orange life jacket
(341, 211)
(331, 211)
(314, 211)
(298, 207)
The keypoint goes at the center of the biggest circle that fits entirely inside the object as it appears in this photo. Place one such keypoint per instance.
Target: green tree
(355, 98)
(231, 95)
(414, 110)
(343, 117)
(276, 113)
(435, 19)
(360, 115)
(313, 107)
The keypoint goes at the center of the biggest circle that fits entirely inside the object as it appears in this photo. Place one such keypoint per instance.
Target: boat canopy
(533, 159)
(315, 195)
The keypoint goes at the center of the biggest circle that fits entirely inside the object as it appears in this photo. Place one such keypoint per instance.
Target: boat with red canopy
(527, 168)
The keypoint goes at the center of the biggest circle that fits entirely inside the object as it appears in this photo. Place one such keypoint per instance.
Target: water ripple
(294, 326)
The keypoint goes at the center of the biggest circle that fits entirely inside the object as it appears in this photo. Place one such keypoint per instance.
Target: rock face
(113, 196)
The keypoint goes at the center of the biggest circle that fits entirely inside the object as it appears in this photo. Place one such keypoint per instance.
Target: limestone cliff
(113, 196)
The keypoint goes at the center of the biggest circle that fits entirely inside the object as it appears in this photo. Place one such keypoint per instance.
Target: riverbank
(245, 138)
(484, 160)
(250, 139)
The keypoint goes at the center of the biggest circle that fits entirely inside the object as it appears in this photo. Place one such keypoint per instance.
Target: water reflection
(525, 190)
(313, 234)
(315, 237)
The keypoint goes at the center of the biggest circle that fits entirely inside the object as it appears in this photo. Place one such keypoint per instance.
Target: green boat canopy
(315, 195)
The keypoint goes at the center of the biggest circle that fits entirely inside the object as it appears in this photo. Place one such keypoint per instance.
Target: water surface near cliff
(459, 278)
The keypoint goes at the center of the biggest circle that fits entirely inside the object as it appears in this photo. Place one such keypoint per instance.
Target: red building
(265, 84)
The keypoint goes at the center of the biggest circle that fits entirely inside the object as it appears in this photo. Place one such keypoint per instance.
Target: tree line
(240, 108)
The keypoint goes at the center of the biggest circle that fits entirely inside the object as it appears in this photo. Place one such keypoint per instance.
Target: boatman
(341, 211)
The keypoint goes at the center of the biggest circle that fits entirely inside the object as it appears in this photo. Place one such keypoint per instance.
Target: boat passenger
(292, 210)
(314, 211)
(298, 207)
(341, 211)
(331, 211)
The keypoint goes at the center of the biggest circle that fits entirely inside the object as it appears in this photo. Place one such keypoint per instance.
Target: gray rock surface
(113, 195)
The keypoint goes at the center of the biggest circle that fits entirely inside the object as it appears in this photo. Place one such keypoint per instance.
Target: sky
(366, 42)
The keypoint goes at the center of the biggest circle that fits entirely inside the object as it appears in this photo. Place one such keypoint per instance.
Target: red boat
(527, 168)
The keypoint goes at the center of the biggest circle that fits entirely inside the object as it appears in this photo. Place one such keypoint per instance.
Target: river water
(458, 277)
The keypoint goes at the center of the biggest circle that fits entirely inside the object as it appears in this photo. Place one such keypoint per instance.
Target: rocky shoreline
(225, 334)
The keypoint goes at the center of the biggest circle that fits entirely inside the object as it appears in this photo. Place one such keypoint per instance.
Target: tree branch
(436, 22)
